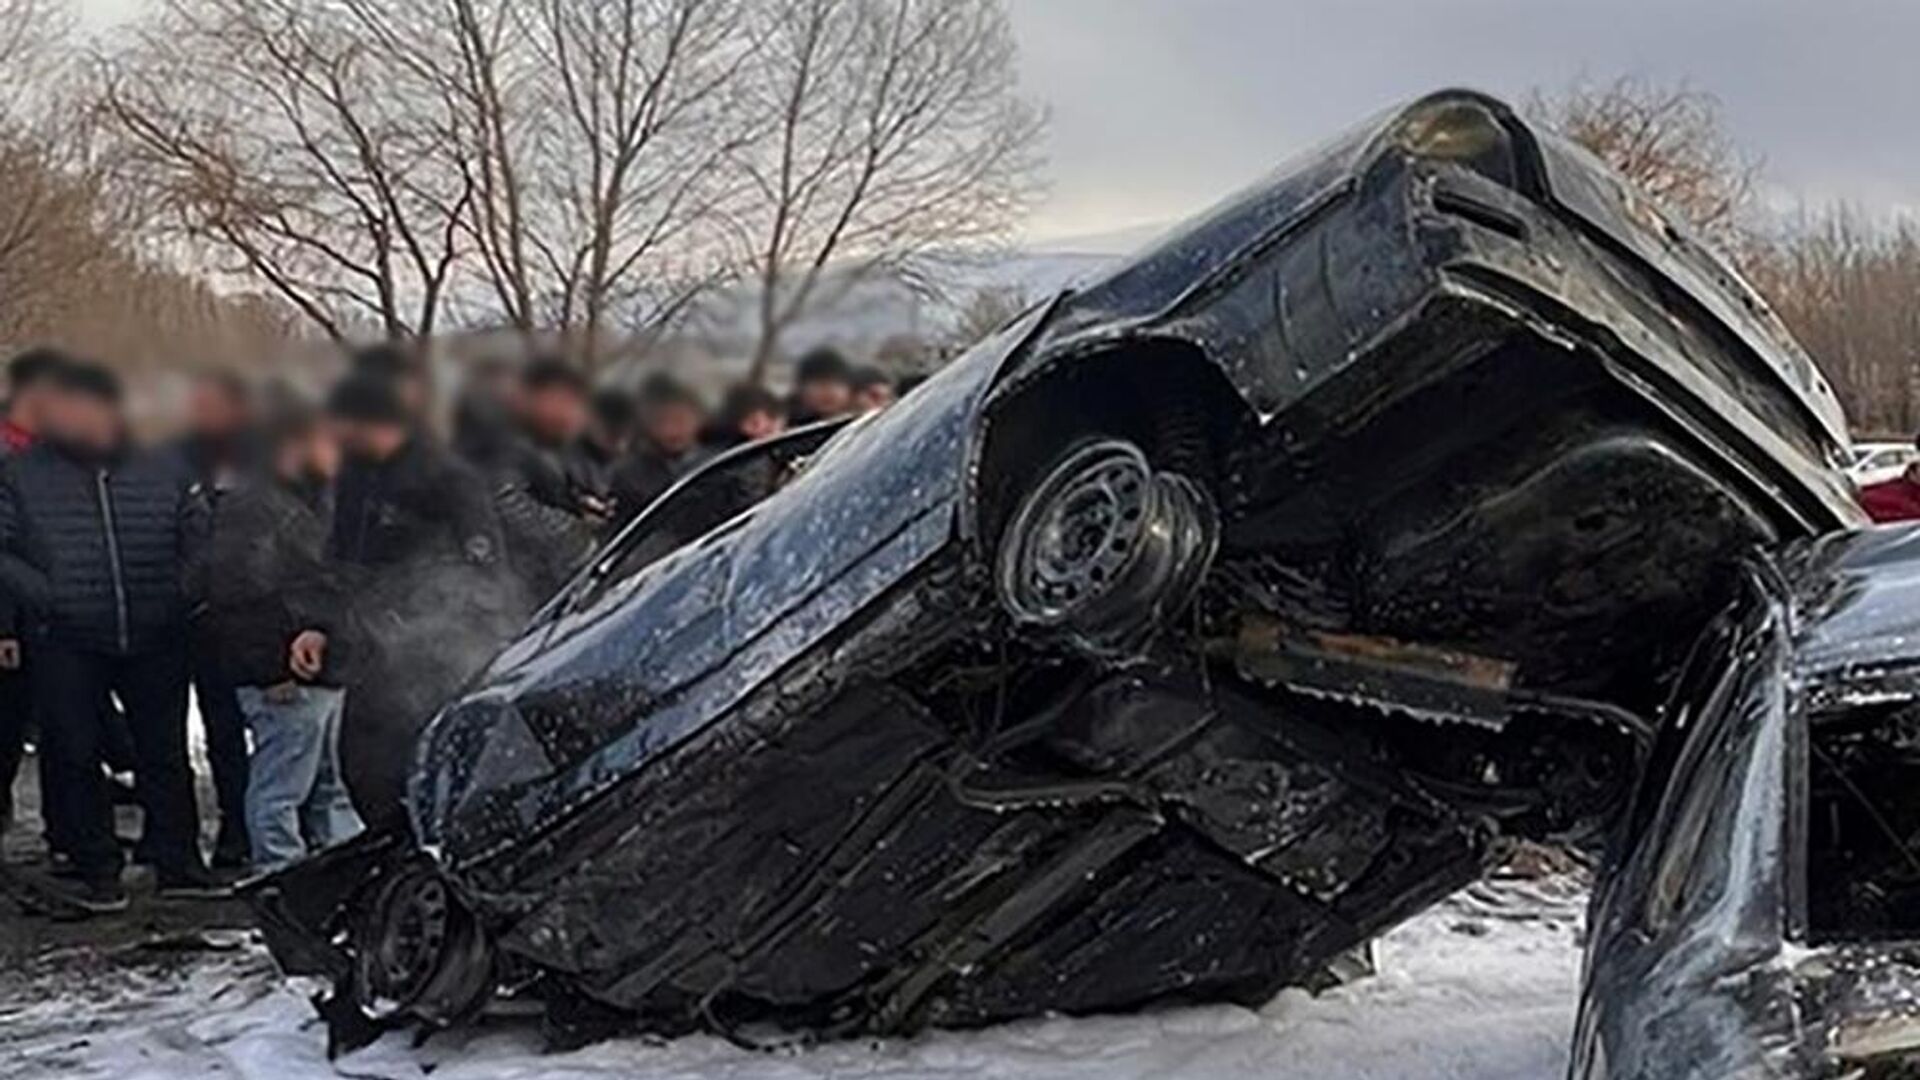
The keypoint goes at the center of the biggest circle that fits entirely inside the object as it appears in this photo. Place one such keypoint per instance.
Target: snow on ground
(1483, 987)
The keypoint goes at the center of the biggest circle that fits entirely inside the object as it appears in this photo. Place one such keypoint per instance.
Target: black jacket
(590, 468)
(10, 622)
(270, 580)
(102, 555)
(421, 507)
(646, 476)
(420, 550)
(547, 535)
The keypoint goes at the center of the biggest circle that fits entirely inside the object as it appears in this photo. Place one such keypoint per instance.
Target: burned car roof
(1201, 624)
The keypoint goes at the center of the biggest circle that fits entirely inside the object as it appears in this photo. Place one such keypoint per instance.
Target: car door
(1688, 968)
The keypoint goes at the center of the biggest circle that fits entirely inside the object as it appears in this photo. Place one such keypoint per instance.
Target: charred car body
(1762, 917)
(1201, 625)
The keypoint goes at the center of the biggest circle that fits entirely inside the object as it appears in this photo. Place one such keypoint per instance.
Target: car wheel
(420, 951)
(1105, 548)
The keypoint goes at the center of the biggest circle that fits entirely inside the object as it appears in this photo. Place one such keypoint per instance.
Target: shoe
(69, 901)
(194, 884)
(99, 897)
(232, 861)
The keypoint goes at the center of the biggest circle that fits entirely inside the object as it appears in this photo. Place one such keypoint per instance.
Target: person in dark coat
(275, 621)
(219, 446)
(519, 439)
(671, 421)
(822, 388)
(99, 546)
(30, 383)
(872, 390)
(549, 526)
(598, 452)
(749, 413)
(420, 549)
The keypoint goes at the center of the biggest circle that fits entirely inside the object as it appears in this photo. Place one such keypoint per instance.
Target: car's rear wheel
(1104, 547)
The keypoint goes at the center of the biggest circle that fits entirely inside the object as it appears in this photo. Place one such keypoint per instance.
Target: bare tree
(891, 126)
(46, 227)
(1845, 285)
(32, 50)
(550, 160)
(1671, 141)
(636, 97)
(989, 310)
(568, 165)
(279, 138)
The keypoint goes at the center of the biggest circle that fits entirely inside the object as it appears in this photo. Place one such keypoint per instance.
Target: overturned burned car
(1204, 623)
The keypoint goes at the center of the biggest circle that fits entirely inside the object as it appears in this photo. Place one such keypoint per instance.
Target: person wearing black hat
(593, 458)
(420, 549)
(100, 546)
(822, 388)
(872, 390)
(672, 419)
(400, 368)
(549, 527)
(748, 413)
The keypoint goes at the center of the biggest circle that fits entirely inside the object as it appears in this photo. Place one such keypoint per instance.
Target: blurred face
(29, 405)
(368, 441)
(83, 420)
(414, 393)
(674, 427)
(215, 410)
(555, 414)
(762, 424)
(312, 456)
(873, 397)
(826, 397)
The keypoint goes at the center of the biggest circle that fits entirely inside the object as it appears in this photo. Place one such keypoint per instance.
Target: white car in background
(1877, 462)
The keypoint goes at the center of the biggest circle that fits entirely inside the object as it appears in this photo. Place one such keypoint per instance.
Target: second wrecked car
(1204, 623)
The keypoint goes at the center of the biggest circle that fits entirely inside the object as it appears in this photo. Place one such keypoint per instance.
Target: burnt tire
(1104, 548)
(419, 952)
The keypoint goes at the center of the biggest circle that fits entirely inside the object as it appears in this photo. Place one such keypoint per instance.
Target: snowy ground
(1481, 987)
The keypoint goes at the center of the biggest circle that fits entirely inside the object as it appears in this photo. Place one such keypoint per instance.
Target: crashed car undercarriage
(1203, 624)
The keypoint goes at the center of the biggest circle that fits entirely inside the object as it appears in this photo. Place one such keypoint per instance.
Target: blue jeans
(296, 802)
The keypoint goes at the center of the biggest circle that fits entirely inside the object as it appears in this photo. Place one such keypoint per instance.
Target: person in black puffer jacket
(98, 546)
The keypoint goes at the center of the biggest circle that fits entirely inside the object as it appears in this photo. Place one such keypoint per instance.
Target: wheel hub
(1103, 546)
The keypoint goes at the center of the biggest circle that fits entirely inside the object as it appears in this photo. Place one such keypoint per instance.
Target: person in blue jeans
(296, 802)
(274, 611)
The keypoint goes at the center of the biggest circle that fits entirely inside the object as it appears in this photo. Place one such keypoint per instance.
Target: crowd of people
(306, 568)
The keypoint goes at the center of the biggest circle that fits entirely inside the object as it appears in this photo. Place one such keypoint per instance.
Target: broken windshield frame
(696, 505)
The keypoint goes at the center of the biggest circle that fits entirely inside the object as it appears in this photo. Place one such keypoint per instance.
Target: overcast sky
(1159, 106)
